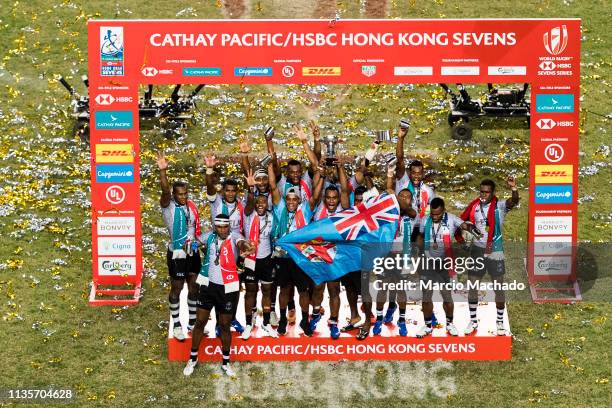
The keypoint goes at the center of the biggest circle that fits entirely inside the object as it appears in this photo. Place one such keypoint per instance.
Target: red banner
(349, 348)
(124, 54)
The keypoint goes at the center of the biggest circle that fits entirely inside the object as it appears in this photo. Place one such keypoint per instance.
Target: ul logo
(554, 153)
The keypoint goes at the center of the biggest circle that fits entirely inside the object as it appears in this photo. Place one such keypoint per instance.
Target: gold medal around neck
(434, 245)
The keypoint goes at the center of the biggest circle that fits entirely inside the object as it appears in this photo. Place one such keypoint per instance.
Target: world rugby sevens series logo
(555, 40)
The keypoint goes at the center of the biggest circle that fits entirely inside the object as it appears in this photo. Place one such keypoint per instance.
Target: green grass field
(117, 356)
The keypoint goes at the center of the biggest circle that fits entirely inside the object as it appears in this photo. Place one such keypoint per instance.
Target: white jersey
(214, 267)
(306, 180)
(264, 247)
(168, 217)
(421, 198)
(233, 210)
(480, 220)
(437, 233)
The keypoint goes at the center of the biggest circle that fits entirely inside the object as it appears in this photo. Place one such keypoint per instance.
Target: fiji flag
(345, 242)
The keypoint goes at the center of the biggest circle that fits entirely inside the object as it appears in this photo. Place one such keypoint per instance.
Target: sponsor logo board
(116, 246)
(116, 266)
(554, 225)
(555, 103)
(114, 120)
(555, 194)
(114, 153)
(552, 265)
(321, 71)
(554, 173)
(116, 226)
(115, 173)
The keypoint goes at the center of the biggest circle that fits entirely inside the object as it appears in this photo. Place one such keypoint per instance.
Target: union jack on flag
(366, 217)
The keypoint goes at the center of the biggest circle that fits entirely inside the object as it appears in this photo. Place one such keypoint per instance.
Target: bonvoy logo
(321, 71)
(555, 225)
(555, 40)
(116, 226)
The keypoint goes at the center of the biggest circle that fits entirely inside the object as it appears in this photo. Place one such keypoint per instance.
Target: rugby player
(219, 286)
(488, 213)
(259, 266)
(436, 231)
(181, 219)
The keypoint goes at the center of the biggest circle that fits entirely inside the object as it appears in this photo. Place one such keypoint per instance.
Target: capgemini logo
(555, 40)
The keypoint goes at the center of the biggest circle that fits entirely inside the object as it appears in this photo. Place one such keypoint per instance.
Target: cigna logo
(555, 40)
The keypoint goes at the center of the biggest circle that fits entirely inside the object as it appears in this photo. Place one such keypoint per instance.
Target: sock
(291, 305)
(249, 319)
(316, 312)
(194, 355)
(392, 306)
(174, 311)
(266, 316)
(402, 316)
(428, 322)
(449, 319)
(500, 315)
(226, 356)
(379, 315)
(192, 310)
(333, 320)
(473, 307)
(304, 314)
(273, 305)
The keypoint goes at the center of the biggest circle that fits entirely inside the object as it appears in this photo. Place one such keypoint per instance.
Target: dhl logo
(321, 71)
(554, 174)
(114, 153)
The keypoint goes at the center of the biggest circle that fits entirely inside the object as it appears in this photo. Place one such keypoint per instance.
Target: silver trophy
(404, 123)
(330, 142)
(383, 136)
(278, 252)
(390, 159)
(263, 163)
(269, 133)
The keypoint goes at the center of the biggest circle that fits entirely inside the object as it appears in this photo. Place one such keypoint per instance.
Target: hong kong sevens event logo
(555, 40)
(111, 43)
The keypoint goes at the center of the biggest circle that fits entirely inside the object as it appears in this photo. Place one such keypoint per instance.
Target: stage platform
(295, 346)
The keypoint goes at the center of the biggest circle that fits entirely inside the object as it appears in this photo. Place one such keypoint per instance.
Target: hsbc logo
(554, 153)
(106, 99)
(149, 71)
(547, 65)
(555, 40)
(547, 124)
